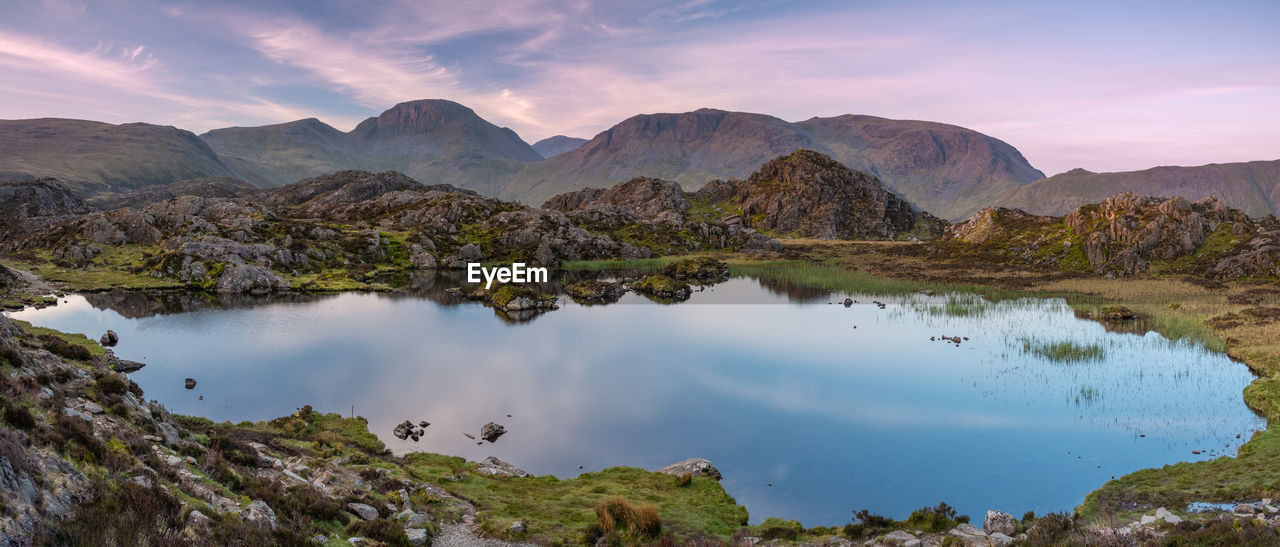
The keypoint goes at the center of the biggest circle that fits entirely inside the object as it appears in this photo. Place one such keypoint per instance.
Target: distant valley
(947, 170)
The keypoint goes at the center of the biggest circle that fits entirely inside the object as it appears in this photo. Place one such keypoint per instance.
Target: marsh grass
(1063, 351)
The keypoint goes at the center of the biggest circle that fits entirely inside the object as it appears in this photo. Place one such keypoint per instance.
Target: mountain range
(944, 169)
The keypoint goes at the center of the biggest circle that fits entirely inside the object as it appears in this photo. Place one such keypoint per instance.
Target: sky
(1105, 86)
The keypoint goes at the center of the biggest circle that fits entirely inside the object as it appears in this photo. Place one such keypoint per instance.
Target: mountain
(93, 157)
(435, 141)
(1253, 187)
(276, 155)
(559, 144)
(689, 148)
(945, 169)
(942, 168)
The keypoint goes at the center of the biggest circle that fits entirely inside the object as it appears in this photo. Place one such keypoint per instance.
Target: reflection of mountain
(794, 291)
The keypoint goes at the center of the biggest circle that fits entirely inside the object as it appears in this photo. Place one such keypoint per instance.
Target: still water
(807, 416)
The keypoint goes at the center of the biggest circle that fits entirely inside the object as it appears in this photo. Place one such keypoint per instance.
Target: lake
(809, 408)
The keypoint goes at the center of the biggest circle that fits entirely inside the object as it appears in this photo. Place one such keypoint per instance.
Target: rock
(1173, 519)
(1147, 520)
(245, 278)
(519, 527)
(260, 514)
(189, 383)
(110, 339)
(170, 433)
(320, 539)
(999, 521)
(415, 520)
(697, 467)
(491, 431)
(898, 538)
(405, 503)
(406, 430)
(1000, 540)
(848, 302)
(1245, 509)
(366, 512)
(497, 468)
(470, 253)
(92, 407)
(417, 536)
(73, 413)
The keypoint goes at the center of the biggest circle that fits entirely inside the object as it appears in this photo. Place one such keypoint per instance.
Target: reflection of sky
(837, 418)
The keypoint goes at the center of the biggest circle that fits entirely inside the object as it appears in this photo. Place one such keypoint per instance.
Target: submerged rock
(491, 431)
(190, 383)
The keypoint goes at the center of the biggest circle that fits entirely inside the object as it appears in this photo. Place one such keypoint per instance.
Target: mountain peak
(420, 116)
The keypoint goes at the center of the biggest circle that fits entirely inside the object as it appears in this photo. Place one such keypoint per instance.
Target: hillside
(1253, 187)
(94, 156)
(945, 169)
(942, 168)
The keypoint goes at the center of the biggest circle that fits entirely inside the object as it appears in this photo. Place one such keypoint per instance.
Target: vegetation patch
(1064, 351)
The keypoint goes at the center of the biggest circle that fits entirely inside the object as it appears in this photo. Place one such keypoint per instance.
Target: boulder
(366, 512)
(260, 514)
(1000, 521)
(697, 467)
(417, 536)
(110, 339)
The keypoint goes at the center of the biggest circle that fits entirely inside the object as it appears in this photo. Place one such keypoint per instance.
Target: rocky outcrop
(495, 467)
(1125, 230)
(1127, 235)
(652, 199)
(697, 467)
(31, 197)
(809, 194)
(250, 279)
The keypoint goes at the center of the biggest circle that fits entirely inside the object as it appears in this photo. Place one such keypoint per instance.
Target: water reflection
(837, 408)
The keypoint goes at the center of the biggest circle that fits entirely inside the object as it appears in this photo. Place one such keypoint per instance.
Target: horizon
(1153, 85)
